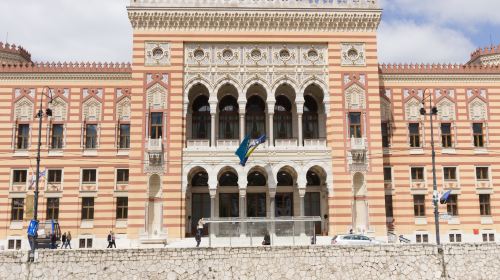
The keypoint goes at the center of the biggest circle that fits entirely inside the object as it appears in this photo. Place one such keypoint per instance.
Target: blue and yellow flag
(246, 148)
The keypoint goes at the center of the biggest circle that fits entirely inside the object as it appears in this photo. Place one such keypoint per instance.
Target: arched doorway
(155, 207)
(200, 199)
(315, 200)
(284, 199)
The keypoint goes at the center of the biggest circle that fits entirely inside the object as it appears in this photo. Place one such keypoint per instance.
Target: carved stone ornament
(245, 64)
(157, 54)
(446, 110)
(156, 97)
(123, 109)
(355, 98)
(353, 54)
(412, 110)
(92, 110)
(477, 110)
(24, 109)
(59, 109)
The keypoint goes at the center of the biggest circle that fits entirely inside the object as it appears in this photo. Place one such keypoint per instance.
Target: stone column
(242, 103)
(213, 112)
(212, 130)
(211, 227)
(270, 115)
(242, 126)
(299, 124)
(272, 212)
(300, 110)
(271, 129)
(243, 212)
(302, 194)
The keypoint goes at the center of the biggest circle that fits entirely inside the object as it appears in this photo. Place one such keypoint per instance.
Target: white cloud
(465, 12)
(408, 42)
(99, 30)
(62, 30)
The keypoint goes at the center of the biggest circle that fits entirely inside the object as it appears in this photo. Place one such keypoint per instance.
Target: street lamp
(435, 197)
(40, 115)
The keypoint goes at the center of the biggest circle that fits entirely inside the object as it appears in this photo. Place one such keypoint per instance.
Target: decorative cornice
(439, 78)
(64, 76)
(304, 20)
(45, 67)
(437, 69)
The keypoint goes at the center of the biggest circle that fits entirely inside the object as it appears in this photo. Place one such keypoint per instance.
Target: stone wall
(463, 261)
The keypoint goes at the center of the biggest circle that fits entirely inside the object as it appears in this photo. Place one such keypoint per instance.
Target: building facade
(146, 149)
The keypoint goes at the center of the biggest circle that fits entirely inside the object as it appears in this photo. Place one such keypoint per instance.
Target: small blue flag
(444, 198)
(246, 148)
(242, 150)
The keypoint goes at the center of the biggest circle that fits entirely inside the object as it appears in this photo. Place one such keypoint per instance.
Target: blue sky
(423, 31)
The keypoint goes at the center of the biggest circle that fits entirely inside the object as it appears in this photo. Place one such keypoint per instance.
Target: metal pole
(435, 198)
(40, 116)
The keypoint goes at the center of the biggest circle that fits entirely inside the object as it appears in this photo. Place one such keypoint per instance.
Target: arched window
(312, 178)
(284, 179)
(256, 179)
(228, 179)
(283, 118)
(200, 179)
(228, 118)
(255, 117)
(310, 118)
(201, 118)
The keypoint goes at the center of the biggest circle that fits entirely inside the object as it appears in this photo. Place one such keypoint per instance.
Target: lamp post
(39, 115)
(435, 197)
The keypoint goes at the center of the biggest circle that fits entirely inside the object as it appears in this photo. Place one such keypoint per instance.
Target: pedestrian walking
(199, 232)
(113, 239)
(53, 240)
(63, 240)
(68, 240)
(109, 240)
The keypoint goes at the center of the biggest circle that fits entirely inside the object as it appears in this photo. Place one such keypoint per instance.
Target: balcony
(358, 143)
(198, 144)
(154, 162)
(285, 143)
(315, 143)
(155, 145)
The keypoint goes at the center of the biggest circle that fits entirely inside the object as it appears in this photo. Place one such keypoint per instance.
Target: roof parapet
(437, 69)
(13, 49)
(485, 51)
(259, 4)
(66, 67)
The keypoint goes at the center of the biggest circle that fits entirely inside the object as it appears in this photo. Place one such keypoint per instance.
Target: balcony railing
(315, 143)
(198, 143)
(358, 143)
(285, 143)
(228, 143)
(155, 144)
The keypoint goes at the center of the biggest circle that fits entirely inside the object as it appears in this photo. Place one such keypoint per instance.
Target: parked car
(353, 239)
